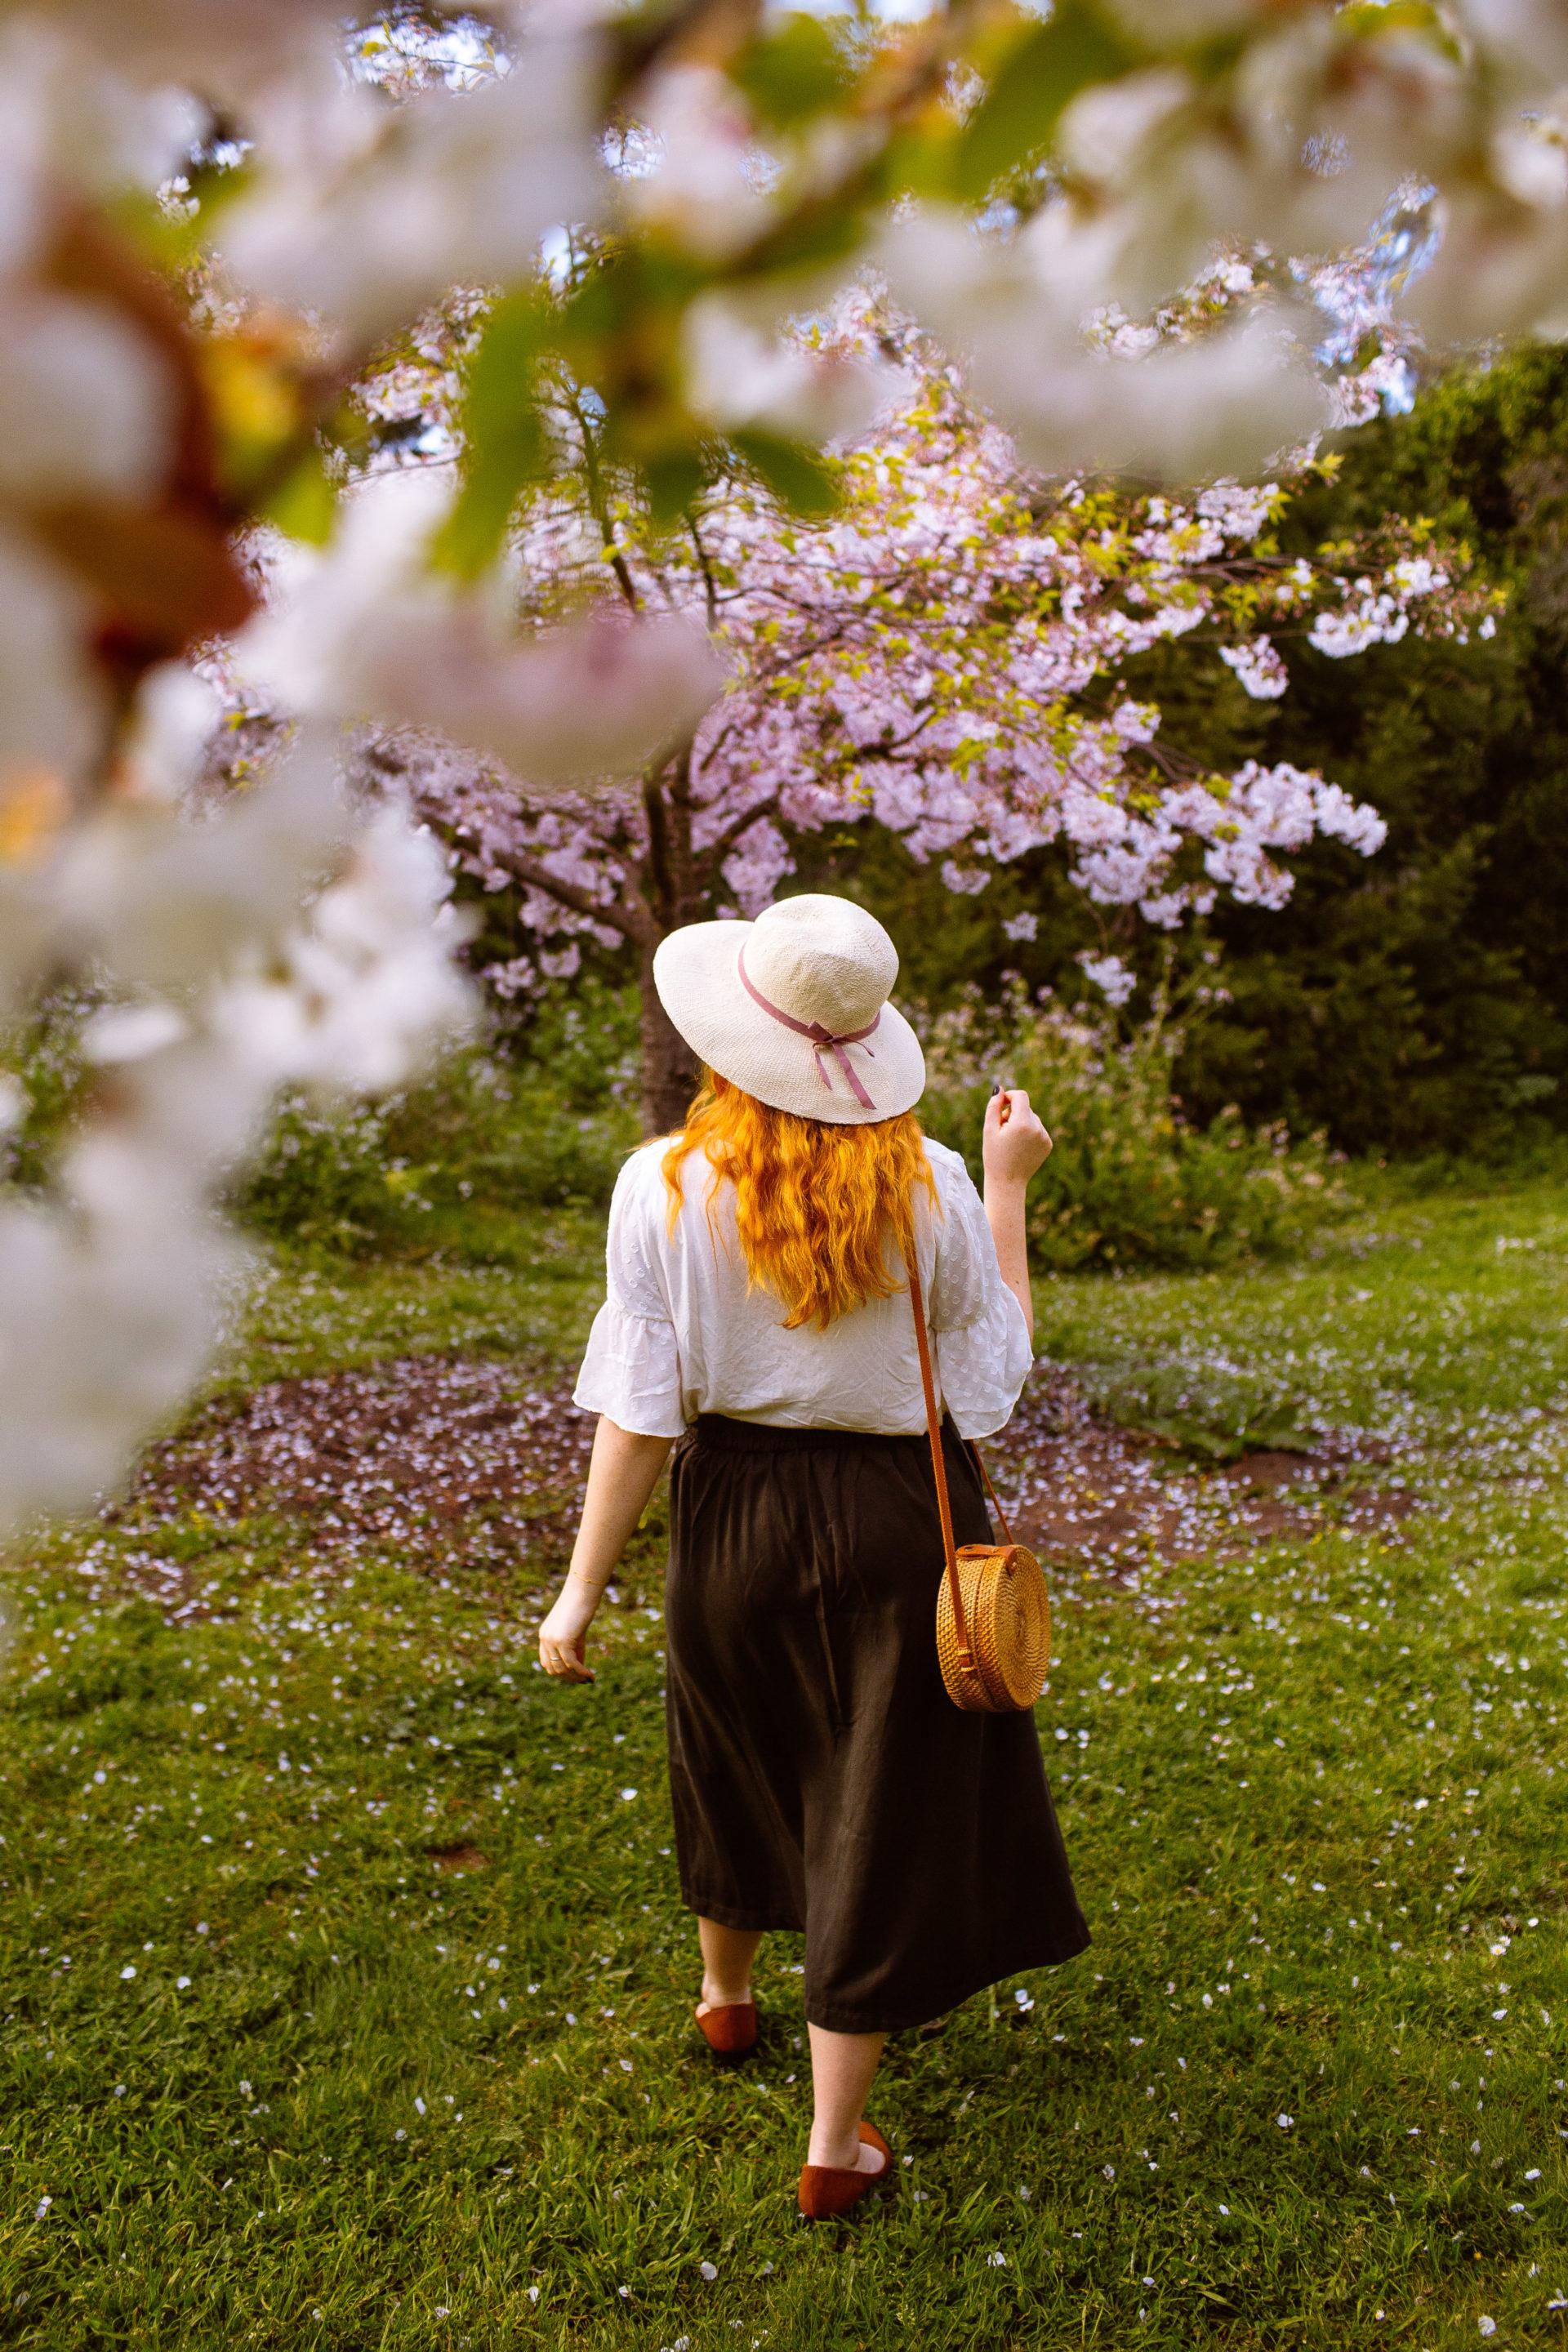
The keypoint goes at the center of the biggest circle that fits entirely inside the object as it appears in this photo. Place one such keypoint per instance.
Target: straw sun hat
(794, 1009)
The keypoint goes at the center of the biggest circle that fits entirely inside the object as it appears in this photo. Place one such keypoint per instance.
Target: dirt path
(458, 1461)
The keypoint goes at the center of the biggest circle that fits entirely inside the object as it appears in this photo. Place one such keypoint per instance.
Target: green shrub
(329, 1174)
(540, 1120)
(544, 1115)
(1130, 1182)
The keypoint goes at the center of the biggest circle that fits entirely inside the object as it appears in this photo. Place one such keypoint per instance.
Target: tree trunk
(669, 1070)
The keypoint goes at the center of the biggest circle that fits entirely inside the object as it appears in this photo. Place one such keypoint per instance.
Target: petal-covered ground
(460, 1464)
(455, 1462)
(1082, 1489)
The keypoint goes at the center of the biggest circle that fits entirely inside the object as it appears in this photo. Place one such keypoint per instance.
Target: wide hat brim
(697, 973)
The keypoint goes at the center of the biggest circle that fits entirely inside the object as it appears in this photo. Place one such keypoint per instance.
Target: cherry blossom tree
(946, 655)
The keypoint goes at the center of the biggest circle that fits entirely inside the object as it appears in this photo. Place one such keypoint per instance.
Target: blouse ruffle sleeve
(631, 1370)
(982, 1342)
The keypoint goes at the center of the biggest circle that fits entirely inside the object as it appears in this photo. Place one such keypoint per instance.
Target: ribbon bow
(823, 1041)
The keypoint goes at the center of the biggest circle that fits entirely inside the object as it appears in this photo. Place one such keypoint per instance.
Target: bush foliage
(1132, 1180)
(545, 1119)
(43, 1076)
(493, 1129)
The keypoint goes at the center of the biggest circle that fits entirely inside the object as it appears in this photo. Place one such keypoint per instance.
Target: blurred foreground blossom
(84, 402)
(699, 173)
(366, 213)
(112, 1292)
(1019, 315)
(742, 373)
(224, 45)
(53, 704)
(352, 999)
(366, 632)
(105, 1327)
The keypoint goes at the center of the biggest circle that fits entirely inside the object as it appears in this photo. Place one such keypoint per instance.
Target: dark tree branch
(622, 914)
(598, 506)
(727, 836)
(680, 783)
(660, 871)
(709, 585)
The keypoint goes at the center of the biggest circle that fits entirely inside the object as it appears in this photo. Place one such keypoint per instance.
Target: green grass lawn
(272, 2072)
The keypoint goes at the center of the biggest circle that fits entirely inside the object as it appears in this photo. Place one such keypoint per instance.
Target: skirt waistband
(717, 1433)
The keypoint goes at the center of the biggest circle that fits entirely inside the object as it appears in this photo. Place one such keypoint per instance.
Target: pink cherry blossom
(943, 656)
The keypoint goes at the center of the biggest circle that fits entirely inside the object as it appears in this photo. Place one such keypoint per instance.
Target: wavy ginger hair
(813, 1202)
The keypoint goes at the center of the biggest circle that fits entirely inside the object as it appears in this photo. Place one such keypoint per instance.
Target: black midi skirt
(821, 1778)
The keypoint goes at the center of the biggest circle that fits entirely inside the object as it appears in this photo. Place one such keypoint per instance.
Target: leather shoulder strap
(979, 1460)
(939, 1466)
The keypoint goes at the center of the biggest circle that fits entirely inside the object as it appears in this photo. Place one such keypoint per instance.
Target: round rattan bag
(993, 1612)
(1007, 1618)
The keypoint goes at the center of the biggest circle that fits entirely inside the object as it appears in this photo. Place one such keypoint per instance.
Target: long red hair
(813, 1202)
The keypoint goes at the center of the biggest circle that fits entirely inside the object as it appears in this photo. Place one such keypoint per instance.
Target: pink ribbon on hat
(823, 1041)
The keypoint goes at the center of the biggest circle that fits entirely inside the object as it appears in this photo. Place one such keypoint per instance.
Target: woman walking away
(760, 1315)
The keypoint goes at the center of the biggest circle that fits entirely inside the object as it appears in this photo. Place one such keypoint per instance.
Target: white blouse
(682, 1332)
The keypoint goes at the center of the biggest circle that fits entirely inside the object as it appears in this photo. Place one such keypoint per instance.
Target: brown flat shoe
(828, 2190)
(729, 2029)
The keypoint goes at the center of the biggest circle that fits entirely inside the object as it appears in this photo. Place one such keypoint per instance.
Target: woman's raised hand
(562, 1635)
(1015, 1142)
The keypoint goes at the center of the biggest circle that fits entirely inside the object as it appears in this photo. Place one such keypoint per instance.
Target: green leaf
(1031, 89)
(673, 477)
(623, 288)
(812, 236)
(305, 504)
(503, 442)
(796, 474)
(798, 71)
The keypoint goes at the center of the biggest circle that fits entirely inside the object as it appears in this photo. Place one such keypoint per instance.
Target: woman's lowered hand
(1015, 1142)
(563, 1635)
(623, 1471)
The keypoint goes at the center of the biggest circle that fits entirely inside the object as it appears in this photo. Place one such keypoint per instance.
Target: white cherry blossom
(366, 632)
(366, 212)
